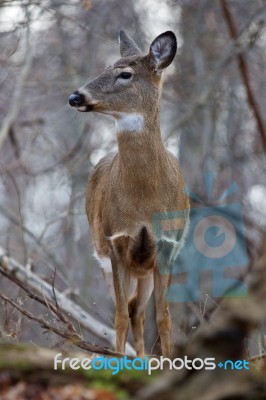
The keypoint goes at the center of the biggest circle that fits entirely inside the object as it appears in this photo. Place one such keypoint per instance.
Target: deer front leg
(163, 318)
(121, 279)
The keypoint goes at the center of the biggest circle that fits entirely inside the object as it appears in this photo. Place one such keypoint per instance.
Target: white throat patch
(130, 122)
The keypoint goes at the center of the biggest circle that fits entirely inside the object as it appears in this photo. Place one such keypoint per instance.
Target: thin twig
(45, 302)
(31, 280)
(243, 69)
(236, 47)
(16, 100)
(71, 337)
(16, 221)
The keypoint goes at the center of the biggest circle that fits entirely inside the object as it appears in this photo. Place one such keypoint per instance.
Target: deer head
(131, 86)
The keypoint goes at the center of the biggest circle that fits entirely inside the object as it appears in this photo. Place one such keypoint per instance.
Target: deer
(128, 187)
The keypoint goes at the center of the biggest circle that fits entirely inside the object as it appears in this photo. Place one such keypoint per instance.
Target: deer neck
(141, 153)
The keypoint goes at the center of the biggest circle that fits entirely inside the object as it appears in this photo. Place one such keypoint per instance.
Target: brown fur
(127, 188)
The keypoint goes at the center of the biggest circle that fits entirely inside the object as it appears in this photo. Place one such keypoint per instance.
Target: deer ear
(162, 51)
(127, 45)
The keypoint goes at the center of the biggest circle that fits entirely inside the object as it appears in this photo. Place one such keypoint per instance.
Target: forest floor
(27, 373)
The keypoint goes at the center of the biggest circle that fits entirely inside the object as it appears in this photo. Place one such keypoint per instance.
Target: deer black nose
(76, 99)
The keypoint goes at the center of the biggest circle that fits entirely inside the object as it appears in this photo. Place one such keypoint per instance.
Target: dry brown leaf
(87, 4)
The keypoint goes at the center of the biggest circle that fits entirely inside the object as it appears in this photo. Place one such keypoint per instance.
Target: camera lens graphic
(223, 236)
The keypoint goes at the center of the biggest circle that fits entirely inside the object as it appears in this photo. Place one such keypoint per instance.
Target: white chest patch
(130, 122)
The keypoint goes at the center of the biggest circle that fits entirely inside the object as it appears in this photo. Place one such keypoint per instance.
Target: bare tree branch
(243, 68)
(71, 337)
(54, 310)
(16, 100)
(12, 218)
(237, 47)
(44, 289)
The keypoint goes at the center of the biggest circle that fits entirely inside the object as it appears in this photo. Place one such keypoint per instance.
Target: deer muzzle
(78, 101)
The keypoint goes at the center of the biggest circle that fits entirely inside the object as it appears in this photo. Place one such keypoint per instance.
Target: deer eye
(125, 75)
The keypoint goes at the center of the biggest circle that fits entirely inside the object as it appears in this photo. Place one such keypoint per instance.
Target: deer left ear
(162, 51)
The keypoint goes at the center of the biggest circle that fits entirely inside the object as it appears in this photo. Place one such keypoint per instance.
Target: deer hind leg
(121, 279)
(167, 250)
(136, 307)
(163, 318)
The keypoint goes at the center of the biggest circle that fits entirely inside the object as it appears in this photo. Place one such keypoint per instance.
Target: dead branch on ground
(57, 303)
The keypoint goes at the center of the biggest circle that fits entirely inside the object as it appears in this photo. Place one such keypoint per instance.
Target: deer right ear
(127, 45)
(162, 51)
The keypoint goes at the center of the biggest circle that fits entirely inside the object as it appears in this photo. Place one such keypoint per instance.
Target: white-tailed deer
(127, 188)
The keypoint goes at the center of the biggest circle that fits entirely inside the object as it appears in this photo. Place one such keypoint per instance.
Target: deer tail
(142, 246)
